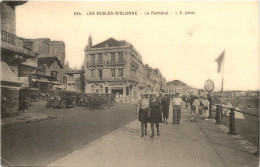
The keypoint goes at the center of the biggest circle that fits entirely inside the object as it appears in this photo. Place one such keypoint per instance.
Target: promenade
(191, 143)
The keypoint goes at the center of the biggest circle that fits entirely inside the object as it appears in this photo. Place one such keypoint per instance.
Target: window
(101, 89)
(64, 80)
(92, 58)
(54, 74)
(120, 72)
(92, 73)
(106, 89)
(120, 57)
(100, 74)
(100, 57)
(132, 73)
(113, 73)
(113, 58)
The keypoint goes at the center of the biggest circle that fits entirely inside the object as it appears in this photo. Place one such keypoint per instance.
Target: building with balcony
(17, 59)
(114, 66)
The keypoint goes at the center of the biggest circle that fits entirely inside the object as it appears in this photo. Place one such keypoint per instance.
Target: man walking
(176, 103)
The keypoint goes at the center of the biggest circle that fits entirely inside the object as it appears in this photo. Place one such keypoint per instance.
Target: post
(257, 152)
(210, 106)
(218, 114)
(232, 126)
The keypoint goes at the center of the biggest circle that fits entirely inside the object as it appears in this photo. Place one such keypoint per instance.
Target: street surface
(192, 143)
(42, 142)
(79, 136)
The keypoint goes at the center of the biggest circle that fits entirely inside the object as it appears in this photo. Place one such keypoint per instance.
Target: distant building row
(182, 88)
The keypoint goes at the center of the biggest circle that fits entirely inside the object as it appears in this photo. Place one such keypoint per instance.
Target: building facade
(16, 55)
(116, 67)
(50, 60)
(75, 79)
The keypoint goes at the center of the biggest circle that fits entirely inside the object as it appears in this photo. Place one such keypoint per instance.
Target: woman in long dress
(155, 114)
(143, 109)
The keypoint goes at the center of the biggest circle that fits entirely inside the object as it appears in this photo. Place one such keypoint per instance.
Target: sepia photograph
(129, 83)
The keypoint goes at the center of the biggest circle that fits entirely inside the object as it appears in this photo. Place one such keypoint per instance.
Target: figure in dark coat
(155, 114)
(165, 108)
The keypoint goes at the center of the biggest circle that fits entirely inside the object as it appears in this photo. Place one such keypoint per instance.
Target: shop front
(10, 87)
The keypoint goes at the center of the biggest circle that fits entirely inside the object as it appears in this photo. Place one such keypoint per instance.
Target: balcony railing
(114, 63)
(16, 41)
(96, 63)
(104, 79)
(8, 37)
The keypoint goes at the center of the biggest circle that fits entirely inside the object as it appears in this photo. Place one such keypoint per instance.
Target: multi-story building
(17, 59)
(177, 86)
(51, 61)
(57, 49)
(116, 67)
(155, 80)
(75, 79)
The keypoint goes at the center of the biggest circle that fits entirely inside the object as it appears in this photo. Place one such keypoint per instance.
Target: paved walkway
(191, 143)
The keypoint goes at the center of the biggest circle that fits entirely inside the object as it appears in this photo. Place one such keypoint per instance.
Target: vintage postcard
(133, 83)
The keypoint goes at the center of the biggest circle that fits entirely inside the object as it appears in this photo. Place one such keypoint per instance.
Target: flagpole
(222, 80)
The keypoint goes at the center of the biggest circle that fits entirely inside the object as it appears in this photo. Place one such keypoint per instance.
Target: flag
(219, 60)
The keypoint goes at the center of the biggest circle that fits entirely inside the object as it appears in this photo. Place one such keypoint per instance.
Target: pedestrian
(176, 103)
(205, 110)
(192, 98)
(200, 109)
(186, 101)
(196, 104)
(193, 110)
(143, 110)
(165, 107)
(25, 103)
(155, 114)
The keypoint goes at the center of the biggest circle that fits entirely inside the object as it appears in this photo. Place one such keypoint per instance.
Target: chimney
(90, 41)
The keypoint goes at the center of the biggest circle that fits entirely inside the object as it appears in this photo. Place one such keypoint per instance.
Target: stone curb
(26, 118)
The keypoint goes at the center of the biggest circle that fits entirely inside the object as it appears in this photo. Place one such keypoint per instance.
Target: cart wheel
(63, 104)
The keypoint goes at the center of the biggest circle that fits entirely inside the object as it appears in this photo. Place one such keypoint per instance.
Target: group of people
(155, 110)
(199, 107)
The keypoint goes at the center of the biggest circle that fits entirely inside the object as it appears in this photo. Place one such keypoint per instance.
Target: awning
(56, 82)
(11, 87)
(38, 80)
(7, 75)
(117, 88)
(60, 86)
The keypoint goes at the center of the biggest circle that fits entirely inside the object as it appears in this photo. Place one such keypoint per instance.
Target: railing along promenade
(232, 122)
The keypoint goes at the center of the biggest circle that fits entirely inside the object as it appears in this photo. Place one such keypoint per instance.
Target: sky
(183, 47)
